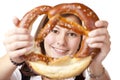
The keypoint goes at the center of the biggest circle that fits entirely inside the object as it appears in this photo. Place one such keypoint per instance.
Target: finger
(21, 52)
(18, 45)
(16, 30)
(16, 21)
(18, 55)
(101, 23)
(103, 45)
(101, 38)
(97, 32)
(96, 45)
(17, 38)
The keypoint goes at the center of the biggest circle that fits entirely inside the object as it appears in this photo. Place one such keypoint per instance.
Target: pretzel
(67, 66)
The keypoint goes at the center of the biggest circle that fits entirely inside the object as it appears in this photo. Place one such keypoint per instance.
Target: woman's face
(61, 41)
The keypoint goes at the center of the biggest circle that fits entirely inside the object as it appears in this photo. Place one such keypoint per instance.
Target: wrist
(96, 70)
(16, 63)
(96, 76)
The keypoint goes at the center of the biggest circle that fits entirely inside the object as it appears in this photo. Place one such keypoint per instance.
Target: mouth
(60, 51)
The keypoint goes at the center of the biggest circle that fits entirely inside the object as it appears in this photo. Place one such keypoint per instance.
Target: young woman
(59, 42)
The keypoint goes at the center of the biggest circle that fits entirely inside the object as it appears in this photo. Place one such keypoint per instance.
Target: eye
(72, 34)
(55, 31)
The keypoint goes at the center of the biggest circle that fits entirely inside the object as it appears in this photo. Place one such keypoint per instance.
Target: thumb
(16, 21)
(101, 23)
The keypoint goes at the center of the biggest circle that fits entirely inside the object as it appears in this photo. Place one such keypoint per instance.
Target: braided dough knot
(67, 66)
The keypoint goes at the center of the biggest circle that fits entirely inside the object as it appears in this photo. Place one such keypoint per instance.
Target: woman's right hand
(18, 41)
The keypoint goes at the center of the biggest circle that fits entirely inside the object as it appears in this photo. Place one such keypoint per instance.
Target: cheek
(48, 40)
(74, 45)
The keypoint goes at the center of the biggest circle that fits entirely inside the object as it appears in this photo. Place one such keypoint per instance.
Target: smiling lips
(60, 51)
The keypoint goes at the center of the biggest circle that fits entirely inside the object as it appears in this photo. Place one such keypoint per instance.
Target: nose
(61, 40)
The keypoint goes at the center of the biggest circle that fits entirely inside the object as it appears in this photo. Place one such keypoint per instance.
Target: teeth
(59, 50)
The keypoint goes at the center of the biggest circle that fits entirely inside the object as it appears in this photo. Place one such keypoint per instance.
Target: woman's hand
(100, 38)
(18, 41)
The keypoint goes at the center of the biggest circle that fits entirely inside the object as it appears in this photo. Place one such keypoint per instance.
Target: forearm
(98, 72)
(6, 68)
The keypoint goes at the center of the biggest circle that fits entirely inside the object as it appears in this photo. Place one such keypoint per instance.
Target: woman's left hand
(100, 38)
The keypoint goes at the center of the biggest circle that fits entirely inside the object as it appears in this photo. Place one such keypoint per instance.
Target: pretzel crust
(67, 66)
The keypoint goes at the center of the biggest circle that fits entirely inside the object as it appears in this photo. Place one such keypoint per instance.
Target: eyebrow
(57, 27)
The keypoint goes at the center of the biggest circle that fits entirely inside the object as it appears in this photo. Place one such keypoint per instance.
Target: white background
(106, 10)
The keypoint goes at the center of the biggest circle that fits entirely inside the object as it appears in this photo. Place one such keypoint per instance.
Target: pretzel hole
(57, 20)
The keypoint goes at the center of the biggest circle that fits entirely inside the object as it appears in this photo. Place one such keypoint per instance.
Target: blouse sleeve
(16, 75)
(86, 75)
